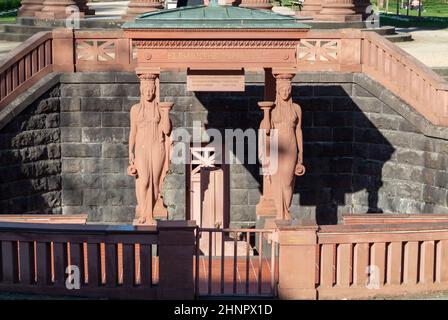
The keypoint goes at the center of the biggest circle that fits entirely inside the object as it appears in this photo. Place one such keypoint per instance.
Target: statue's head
(284, 86)
(147, 87)
(284, 91)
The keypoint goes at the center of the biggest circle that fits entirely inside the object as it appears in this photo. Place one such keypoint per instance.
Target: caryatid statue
(286, 118)
(148, 150)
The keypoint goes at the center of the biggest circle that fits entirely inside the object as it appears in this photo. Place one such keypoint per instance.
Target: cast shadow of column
(344, 152)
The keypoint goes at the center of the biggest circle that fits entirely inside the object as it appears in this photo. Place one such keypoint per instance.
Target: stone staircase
(391, 34)
(19, 32)
(443, 72)
(107, 15)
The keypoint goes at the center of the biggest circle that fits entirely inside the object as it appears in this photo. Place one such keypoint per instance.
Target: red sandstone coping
(44, 218)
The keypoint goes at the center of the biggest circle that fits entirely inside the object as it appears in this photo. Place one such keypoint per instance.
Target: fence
(235, 262)
(363, 260)
(113, 261)
(406, 77)
(25, 65)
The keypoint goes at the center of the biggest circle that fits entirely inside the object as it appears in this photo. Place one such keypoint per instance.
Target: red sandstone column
(266, 205)
(338, 10)
(56, 9)
(297, 262)
(63, 50)
(137, 7)
(310, 8)
(256, 4)
(176, 251)
(30, 7)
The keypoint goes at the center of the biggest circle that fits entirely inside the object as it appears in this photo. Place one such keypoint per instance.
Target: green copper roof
(213, 17)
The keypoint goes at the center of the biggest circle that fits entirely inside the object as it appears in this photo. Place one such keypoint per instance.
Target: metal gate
(236, 262)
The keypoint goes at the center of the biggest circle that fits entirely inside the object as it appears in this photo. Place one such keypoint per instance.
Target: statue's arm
(299, 137)
(132, 133)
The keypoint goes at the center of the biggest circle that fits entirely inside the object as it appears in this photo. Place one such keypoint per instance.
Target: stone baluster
(30, 7)
(138, 7)
(338, 10)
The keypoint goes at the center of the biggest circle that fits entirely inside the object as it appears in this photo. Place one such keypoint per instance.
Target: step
(386, 30)
(88, 22)
(229, 248)
(16, 37)
(399, 37)
(284, 11)
(21, 29)
(443, 72)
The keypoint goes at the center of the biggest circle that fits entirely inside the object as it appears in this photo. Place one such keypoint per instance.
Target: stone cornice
(206, 44)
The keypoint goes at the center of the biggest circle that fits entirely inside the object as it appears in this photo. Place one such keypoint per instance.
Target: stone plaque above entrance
(215, 80)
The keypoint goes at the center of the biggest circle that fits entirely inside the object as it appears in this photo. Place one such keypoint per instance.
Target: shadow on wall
(30, 159)
(344, 152)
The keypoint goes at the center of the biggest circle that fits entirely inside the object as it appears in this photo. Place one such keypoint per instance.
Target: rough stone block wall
(405, 170)
(360, 152)
(94, 134)
(30, 159)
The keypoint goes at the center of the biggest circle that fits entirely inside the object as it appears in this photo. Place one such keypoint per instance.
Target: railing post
(176, 255)
(350, 58)
(297, 262)
(63, 50)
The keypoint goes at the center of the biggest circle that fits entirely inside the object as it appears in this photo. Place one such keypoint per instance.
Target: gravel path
(429, 46)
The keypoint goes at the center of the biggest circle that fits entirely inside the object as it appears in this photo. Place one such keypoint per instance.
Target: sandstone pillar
(176, 251)
(339, 11)
(56, 9)
(138, 7)
(256, 4)
(266, 205)
(297, 262)
(30, 7)
(63, 50)
(310, 8)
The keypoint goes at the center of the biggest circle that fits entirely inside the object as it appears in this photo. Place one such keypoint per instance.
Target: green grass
(8, 17)
(431, 8)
